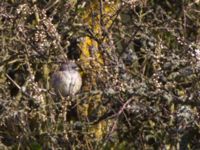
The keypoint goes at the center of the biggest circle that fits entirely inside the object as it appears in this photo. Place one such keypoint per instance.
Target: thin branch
(21, 90)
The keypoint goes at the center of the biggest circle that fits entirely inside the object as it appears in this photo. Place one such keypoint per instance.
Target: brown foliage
(143, 94)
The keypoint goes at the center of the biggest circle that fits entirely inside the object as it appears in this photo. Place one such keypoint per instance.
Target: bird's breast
(67, 82)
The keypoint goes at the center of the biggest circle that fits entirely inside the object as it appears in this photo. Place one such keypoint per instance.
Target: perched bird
(67, 81)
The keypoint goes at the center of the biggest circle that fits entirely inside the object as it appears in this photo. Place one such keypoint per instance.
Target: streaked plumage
(67, 81)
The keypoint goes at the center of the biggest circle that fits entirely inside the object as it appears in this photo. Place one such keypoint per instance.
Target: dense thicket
(140, 67)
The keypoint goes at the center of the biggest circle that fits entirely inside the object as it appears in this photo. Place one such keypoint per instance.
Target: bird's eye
(75, 67)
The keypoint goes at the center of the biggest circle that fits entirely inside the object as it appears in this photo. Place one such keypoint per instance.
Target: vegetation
(140, 64)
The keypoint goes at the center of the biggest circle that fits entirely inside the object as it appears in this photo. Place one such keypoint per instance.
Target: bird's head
(70, 65)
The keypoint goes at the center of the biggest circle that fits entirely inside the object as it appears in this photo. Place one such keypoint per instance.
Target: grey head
(70, 65)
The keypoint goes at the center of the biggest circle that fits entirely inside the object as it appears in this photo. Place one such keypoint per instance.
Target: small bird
(67, 81)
